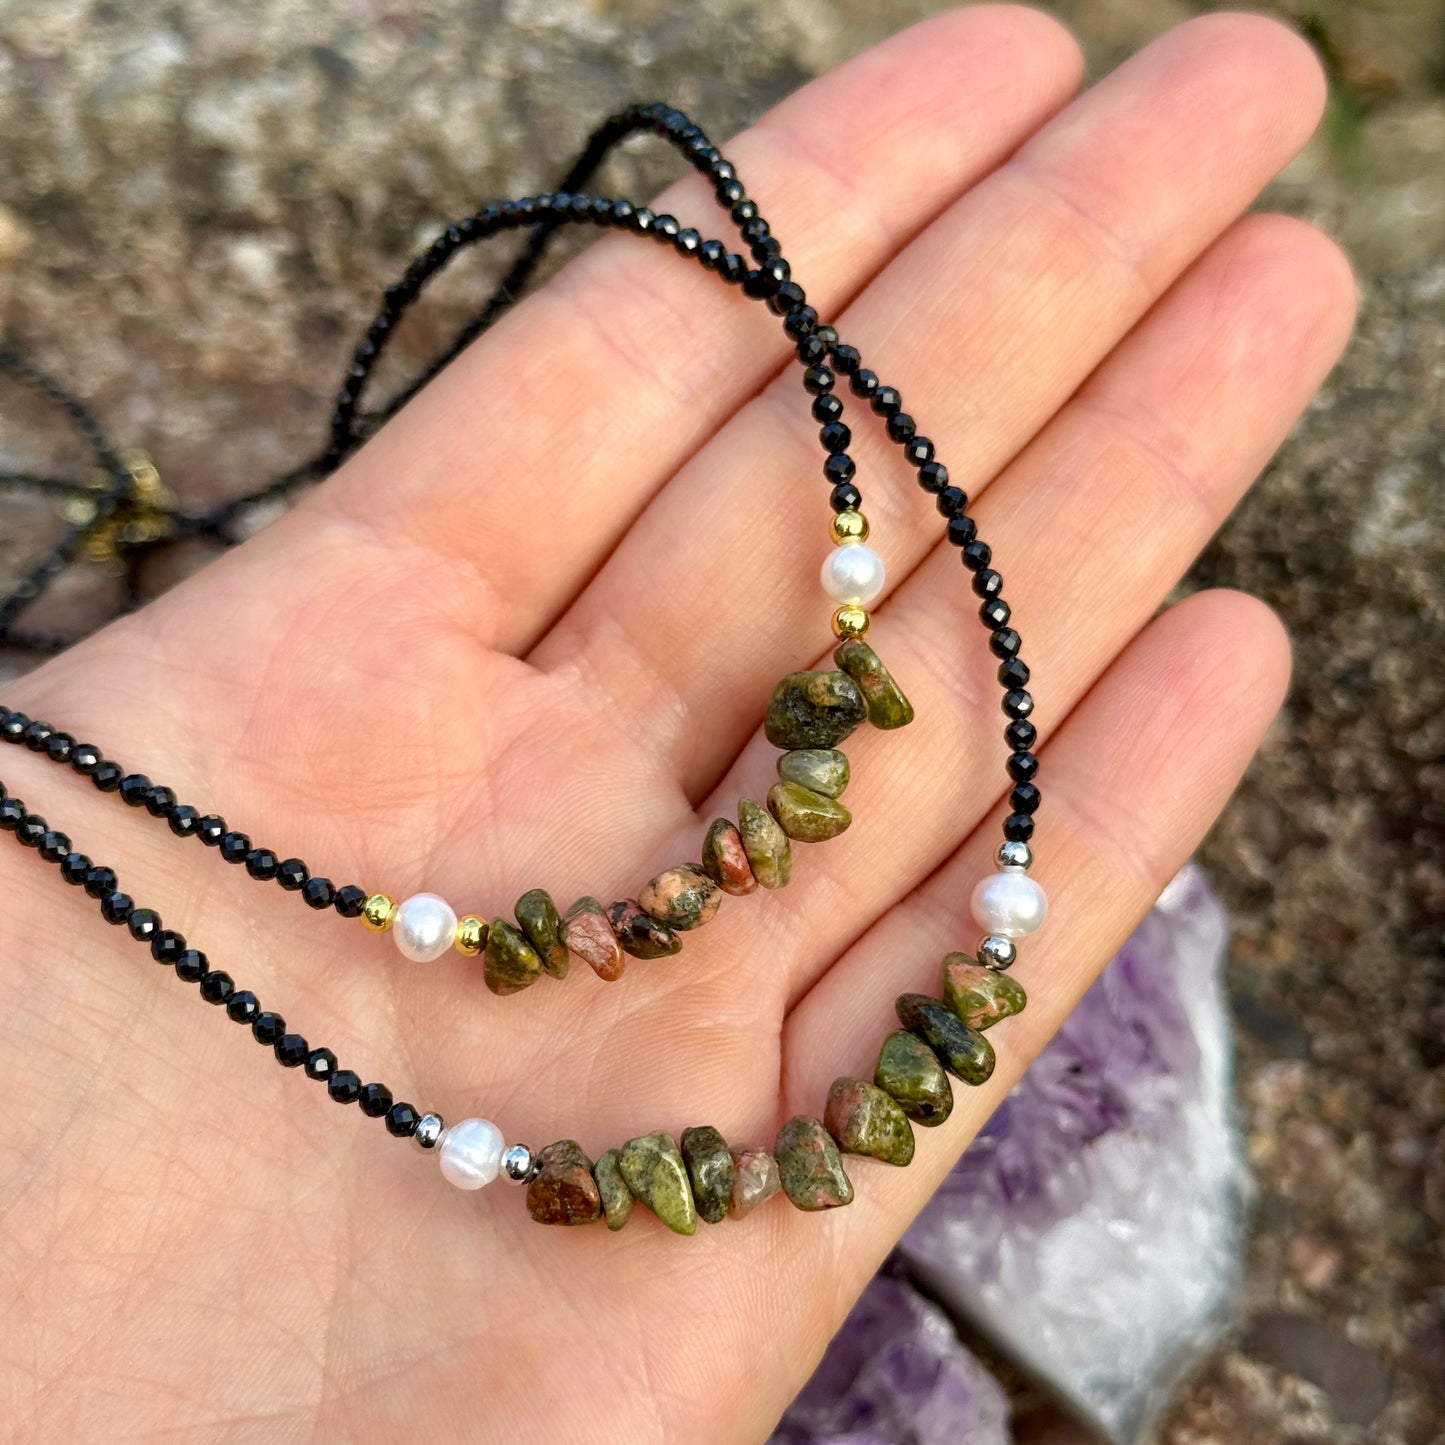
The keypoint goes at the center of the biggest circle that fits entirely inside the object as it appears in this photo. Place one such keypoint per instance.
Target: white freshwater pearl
(853, 574)
(471, 1153)
(425, 927)
(1009, 903)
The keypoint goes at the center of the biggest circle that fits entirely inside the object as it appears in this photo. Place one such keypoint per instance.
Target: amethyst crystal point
(897, 1372)
(1093, 1227)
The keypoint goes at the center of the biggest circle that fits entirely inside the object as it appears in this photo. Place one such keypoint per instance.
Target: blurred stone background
(199, 201)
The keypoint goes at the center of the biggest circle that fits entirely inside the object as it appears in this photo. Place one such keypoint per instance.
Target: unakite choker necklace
(810, 714)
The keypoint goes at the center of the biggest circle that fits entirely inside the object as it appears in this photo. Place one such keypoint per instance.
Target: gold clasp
(142, 515)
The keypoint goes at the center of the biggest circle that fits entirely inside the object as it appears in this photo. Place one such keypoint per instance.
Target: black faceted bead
(292, 1051)
(133, 789)
(1005, 642)
(243, 1007)
(183, 820)
(687, 241)
(987, 582)
(12, 810)
(845, 498)
(192, 966)
(320, 1064)
(743, 212)
(318, 893)
(951, 502)
(710, 253)
(38, 735)
(74, 868)
(817, 380)
(100, 881)
(977, 555)
(864, 382)
(54, 846)
(828, 335)
(167, 946)
(665, 227)
(211, 829)
(900, 425)
(235, 847)
(1017, 703)
(106, 775)
(839, 467)
(31, 829)
(774, 272)
(1012, 671)
(261, 863)
(1025, 798)
(755, 284)
(13, 727)
(733, 268)
(59, 747)
(144, 924)
(401, 1120)
(292, 875)
(799, 322)
(766, 249)
(350, 900)
(729, 192)
(85, 758)
(836, 436)
(1018, 827)
(787, 298)
(887, 401)
(812, 351)
(919, 451)
(160, 802)
(1021, 768)
(344, 1086)
(267, 1028)
(1021, 735)
(995, 612)
(116, 907)
(754, 228)
(846, 360)
(375, 1100)
(827, 408)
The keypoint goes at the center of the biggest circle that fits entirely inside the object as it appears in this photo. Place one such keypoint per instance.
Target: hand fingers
(1138, 773)
(1015, 294)
(528, 457)
(1100, 516)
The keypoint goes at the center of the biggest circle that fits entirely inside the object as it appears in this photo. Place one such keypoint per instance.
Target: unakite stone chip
(963, 1051)
(589, 936)
(824, 770)
(887, 707)
(511, 962)
(810, 1166)
(725, 860)
(681, 898)
(563, 1190)
(806, 816)
(616, 1196)
(865, 1120)
(710, 1171)
(909, 1072)
(653, 1169)
(542, 927)
(755, 1180)
(814, 710)
(640, 933)
(980, 996)
(770, 855)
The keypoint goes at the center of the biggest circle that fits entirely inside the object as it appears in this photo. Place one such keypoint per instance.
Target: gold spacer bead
(849, 527)
(851, 622)
(471, 936)
(378, 913)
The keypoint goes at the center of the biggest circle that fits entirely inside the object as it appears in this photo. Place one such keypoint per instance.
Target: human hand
(526, 637)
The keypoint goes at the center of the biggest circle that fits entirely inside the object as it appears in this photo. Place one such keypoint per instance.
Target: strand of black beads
(158, 801)
(169, 948)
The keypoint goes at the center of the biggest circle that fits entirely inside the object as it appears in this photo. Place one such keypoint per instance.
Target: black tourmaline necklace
(809, 716)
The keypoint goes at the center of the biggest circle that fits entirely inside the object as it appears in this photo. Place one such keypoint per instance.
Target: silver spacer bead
(1015, 855)
(997, 953)
(519, 1164)
(429, 1131)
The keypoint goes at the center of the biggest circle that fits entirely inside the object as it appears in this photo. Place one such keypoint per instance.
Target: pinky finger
(1132, 782)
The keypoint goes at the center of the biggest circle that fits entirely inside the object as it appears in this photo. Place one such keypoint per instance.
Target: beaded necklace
(808, 716)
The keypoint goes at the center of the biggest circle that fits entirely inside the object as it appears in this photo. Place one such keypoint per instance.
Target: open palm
(525, 638)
